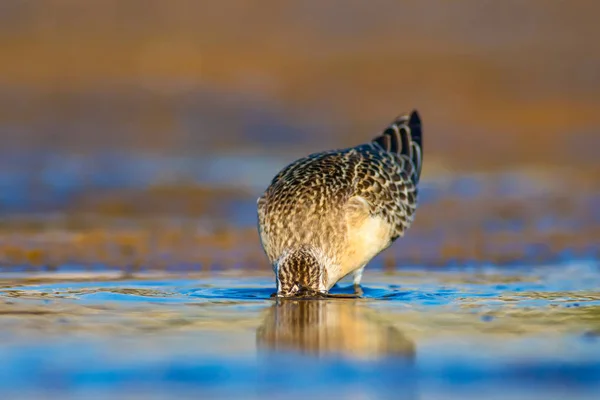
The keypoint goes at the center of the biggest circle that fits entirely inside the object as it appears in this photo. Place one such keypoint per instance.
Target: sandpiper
(325, 216)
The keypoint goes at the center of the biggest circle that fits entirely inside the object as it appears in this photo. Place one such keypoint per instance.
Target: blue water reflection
(416, 333)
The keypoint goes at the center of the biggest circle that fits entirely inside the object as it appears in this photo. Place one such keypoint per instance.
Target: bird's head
(299, 272)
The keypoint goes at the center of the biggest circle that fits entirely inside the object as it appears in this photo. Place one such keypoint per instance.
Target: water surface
(416, 333)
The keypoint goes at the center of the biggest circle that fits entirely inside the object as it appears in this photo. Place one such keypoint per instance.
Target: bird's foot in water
(358, 290)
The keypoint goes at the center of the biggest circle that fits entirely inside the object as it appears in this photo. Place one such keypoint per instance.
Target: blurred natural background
(138, 133)
(136, 136)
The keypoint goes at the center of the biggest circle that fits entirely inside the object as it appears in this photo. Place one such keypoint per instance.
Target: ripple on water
(230, 293)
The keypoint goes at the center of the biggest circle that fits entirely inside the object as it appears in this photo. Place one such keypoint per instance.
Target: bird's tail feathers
(404, 137)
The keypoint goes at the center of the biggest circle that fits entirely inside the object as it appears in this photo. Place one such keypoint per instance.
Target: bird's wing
(404, 138)
(387, 173)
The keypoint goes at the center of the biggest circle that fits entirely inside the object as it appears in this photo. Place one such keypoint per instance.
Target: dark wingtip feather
(416, 129)
(415, 118)
(405, 136)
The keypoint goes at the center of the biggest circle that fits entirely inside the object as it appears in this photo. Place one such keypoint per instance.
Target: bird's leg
(357, 278)
(358, 290)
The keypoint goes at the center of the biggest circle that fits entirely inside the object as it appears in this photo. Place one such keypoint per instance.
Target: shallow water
(529, 332)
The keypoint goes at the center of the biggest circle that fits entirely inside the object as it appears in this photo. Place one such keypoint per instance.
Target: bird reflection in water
(332, 327)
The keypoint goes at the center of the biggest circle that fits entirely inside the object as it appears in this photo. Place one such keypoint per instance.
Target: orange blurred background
(497, 83)
(117, 113)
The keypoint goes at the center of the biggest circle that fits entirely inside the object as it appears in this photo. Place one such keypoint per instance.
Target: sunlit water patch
(415, 333)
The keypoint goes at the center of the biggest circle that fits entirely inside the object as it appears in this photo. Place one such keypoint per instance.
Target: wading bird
(325, 216)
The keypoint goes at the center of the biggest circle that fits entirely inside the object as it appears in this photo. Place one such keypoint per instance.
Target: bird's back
(348, 204)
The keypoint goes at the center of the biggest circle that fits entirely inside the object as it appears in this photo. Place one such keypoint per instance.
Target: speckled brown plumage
(328, 214)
